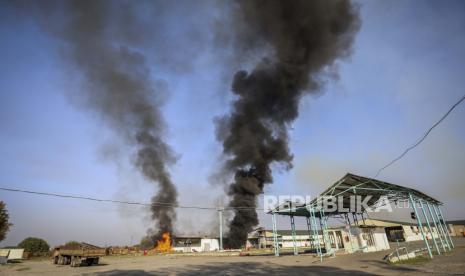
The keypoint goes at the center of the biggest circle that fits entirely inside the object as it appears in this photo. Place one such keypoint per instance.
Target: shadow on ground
(239, 269)
(387, 266)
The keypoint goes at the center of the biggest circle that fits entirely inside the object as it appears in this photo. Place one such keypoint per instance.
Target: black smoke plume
(304, 38)
(102, 42)
(121, 91)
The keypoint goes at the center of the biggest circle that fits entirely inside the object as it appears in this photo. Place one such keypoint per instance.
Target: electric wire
(422, 138)
(157, 204)
(170, 205)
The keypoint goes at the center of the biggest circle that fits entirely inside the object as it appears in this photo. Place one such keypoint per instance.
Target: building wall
(358, 240)
(206, 245)
(210, 245)
(381, 242)
(301, 241)
(412, 233)
(364, 240)
(457, 230)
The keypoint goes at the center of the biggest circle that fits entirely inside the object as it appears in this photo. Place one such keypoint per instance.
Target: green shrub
(146, 243)
(34, 246)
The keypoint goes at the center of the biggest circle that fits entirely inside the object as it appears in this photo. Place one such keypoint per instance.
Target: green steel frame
(315, 233)
(354, 185)
(296, 252)
(420, 226)
(438, 231)
(445, 226)
(430, 230)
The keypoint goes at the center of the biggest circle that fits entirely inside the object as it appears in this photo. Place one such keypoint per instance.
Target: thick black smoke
(101, 40)
(306, 38)
(119, 88)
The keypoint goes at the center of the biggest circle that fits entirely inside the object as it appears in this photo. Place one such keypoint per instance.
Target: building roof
(387, 223)
(355, 185)
(456, 222)
(193, 237)
(269, 232)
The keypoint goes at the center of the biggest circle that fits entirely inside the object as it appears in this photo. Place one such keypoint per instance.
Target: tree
(146, 243)
(4, 224)
(35, 246)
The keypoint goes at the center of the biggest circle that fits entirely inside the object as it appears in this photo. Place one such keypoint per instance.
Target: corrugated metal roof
(456, 222)
(387, 223)
(355, 185)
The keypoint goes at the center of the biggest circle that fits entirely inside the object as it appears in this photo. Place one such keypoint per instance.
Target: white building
(195, 244)
(366, 239)
(403, 231)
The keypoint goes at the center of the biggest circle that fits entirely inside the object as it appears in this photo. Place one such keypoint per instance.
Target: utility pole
(220, 215)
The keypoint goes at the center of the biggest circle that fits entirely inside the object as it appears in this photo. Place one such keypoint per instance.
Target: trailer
(78, 254)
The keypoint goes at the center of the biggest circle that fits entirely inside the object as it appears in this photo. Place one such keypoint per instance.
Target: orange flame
(164, 245)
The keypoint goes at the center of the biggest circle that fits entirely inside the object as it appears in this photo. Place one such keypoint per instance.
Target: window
(369, 238)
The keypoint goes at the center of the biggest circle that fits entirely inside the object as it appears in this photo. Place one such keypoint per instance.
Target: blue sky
(406, 70)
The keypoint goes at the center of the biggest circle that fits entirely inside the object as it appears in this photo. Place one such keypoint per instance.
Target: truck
(77, 254)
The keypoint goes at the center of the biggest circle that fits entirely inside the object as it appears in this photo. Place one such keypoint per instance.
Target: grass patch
(413, 261)
(23, 269)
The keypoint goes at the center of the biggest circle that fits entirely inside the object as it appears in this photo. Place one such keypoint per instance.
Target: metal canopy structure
(349, 188)
(355, 185)
(352, 184)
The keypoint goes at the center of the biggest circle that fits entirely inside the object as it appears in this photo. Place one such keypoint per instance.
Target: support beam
(309, 228)
(429, 226)
(438, 231)
(443, 230)
(275, 235)
(315, 233)
(324, 229)
(445, 224)
(350, 233)
(294, 242)
(420, 226)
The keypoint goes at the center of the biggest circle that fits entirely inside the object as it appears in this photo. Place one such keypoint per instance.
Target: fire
(164, 245)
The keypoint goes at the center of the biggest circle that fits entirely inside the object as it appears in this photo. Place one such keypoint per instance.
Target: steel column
(309, 226)
(324, 229)
(350, 233)
(445, 224)
(275, 235)
(443, 230)
(438, 231)
(429, 226)
(315, 232)
(293, 235)
(420, 226)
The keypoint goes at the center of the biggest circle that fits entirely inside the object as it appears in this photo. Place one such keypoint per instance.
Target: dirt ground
(359, 264)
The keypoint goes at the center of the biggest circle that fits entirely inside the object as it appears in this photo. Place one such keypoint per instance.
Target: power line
(422, 138)
(170, 205)
(157, 204)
